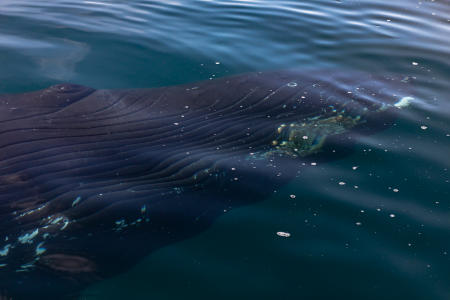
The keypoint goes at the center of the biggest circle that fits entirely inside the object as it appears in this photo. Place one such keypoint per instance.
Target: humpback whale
(93, 180)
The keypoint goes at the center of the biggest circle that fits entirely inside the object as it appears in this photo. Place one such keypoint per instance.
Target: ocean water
(374, 224)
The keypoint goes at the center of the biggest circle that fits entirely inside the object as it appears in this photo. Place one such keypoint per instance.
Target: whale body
(93, 180)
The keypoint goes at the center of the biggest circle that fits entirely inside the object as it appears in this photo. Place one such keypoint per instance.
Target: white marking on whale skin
(26, 267)
(57, 221)
(28, 237)
(404, 102)
(5, 250)
(76, 201)
(120, 225)
(32, 211)
(39, 249)
(66, 223)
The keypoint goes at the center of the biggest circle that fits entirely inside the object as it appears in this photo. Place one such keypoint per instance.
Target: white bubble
(423, 127)
(283, 234)
(341, 183)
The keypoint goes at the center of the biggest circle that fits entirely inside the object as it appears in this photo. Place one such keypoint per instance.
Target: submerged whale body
(93, 180)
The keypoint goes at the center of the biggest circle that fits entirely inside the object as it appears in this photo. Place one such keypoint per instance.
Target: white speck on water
(354, 167)
(93, 3)
(392, 216)
(424, 127)
(176, 123)
(414, 63)
(341, 183)
(292, 196)
(356, 187)
(313, 164)
(395, 190)
(217, 62)
(292, 84)
(358, 223)
(305, 137)
(283, 234)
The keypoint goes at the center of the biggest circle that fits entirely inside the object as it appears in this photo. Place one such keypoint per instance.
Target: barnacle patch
(305, 138)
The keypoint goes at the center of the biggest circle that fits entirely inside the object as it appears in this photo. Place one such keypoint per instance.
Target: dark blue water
(372, 225)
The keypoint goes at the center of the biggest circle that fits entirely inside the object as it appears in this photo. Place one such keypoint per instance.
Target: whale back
(89, 177)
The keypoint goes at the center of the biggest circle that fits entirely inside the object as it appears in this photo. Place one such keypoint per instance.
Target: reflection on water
(371, 225)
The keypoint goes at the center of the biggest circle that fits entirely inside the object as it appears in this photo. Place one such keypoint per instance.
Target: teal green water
(373, 225)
